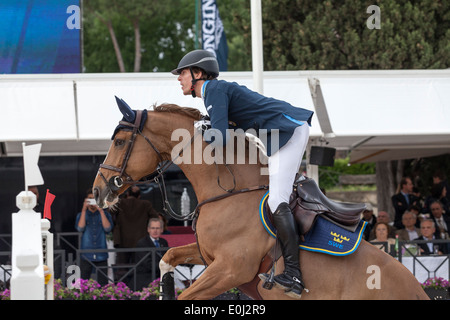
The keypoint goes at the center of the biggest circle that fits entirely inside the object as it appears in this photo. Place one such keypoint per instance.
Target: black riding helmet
(202, 59)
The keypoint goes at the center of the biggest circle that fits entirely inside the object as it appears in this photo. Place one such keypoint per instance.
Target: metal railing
(121, 272)
(411, 251)
(127, 272)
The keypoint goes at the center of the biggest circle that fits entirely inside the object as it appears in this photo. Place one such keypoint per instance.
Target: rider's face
(185, 79)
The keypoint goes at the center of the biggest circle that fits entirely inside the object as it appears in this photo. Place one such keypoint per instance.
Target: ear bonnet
(129, 117)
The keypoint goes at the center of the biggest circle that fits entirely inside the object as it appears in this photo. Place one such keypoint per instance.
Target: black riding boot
(291, 279)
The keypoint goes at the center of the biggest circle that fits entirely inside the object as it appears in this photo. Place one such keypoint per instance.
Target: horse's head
(127, 160)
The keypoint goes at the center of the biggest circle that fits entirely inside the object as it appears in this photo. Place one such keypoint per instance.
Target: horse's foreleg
(173, 257)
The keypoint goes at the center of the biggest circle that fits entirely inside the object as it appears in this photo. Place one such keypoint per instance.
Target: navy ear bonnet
(129, 115)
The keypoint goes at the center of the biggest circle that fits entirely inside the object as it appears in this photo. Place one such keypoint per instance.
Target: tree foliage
(151, 35)
(297, 34)
(332, 35)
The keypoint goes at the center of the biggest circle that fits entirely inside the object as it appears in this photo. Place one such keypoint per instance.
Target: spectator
(410, 231)
(441, 221)
(439, 177)
(131, 218)
(382, 235)
(371, 220)
(94, 223)
(438, 193)
(383, 217)
(403, 200)
(428, 228)
(144, 259)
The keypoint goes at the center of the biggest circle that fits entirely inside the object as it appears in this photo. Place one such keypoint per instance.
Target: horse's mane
(173, 108)
(197, 115)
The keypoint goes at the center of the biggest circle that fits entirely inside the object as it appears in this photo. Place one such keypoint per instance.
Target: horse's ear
(127, 112)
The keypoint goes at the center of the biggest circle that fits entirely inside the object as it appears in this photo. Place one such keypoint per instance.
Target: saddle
(307, 202)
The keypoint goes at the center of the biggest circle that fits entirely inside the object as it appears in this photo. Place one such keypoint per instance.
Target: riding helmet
(199, 58)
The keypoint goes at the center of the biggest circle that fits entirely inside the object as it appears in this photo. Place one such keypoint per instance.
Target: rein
(116, 182)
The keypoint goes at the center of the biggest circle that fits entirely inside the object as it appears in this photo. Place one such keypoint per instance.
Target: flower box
(437, 288)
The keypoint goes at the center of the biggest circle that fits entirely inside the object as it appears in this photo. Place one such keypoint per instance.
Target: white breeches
(284, 165)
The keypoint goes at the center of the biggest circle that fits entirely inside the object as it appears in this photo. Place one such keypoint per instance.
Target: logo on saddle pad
(337, 240)
(324, 236)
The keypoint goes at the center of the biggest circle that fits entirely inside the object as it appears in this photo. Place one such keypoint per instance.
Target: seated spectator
(428, 228)
(144, 259)
(442, 221)
(383, 216)
(439, 177)
(371, 220)
(438, 193)
(410, 232)
(382, 235)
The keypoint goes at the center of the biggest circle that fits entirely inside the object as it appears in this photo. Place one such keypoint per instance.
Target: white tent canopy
(378, 115)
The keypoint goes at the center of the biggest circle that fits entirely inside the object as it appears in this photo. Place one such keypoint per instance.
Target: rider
(227, 101)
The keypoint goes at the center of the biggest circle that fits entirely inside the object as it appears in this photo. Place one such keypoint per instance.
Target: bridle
(117, 182)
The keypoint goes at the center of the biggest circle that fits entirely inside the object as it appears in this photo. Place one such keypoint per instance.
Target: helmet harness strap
(194, 81)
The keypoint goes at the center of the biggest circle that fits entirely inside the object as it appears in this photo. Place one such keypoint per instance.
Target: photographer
(94, 223)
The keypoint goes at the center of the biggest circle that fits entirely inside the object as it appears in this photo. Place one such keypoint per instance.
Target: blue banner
(40, 36)
(213, 34)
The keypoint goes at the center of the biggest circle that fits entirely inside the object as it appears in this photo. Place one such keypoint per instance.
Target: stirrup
(268, 280)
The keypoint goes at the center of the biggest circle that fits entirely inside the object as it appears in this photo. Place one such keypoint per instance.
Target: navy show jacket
(229, 101)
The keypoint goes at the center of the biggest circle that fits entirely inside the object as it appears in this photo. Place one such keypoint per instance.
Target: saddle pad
(324, 236)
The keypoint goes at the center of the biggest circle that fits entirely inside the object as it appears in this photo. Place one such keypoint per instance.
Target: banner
(213, 34)
(40, 36)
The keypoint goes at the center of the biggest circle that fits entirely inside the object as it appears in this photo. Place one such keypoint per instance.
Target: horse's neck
(175, 133)
(209, 180)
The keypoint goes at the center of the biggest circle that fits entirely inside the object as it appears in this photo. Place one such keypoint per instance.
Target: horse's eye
(119, 142)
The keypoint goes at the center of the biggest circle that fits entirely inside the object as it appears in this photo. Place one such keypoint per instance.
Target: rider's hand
(202, 125)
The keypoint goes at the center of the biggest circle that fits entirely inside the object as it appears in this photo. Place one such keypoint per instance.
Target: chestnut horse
(231, 239)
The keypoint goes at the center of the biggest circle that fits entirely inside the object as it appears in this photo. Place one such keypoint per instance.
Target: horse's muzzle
(104, 197)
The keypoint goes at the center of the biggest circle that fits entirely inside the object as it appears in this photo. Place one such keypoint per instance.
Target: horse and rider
(228, 101)
(140, 151)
